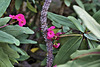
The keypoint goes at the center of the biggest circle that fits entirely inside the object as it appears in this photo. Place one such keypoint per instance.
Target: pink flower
(22, 22)
(56, 45)
(20, 17)
(55, 66)
(52, 27)
(50, 34)
(48, 37)
(12, 16)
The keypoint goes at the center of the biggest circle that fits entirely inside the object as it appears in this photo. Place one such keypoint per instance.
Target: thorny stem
(44, 28)
(8, 24)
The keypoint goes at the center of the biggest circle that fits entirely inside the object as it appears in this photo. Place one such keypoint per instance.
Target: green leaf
(77, 23)
(96, 16)
(27, 41)
(23, 55)
(3, 21)
(4, 60)
(92, 44)
(18, 4)
(61, 20)
(56, 24)
(31, 7)
(67, 2)
(3, 6)
(83, 45)
(10, 52)
(43, 47)
(56, 30)
(23, 39)
(79, 2)
(84, 58)
(43, 63)
(91, 37)
(7, 38)
(67, 49)
(17, 29)
(89, 21)
(33, 1)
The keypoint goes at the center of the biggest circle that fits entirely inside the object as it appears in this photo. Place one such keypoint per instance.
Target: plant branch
(8, 24)
(71, 35)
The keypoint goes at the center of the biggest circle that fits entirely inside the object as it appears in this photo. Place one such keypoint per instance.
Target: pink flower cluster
(51, 35)
(20, 18)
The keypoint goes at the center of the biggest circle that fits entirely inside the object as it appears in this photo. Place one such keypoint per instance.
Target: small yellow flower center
(19, 17)
(21, 21)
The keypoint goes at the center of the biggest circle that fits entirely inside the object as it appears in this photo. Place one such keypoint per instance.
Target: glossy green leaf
(77, 23)
(7, 38)
(3, 21)
(61, 20)
(31, 7)
(67, 49)
(67, 2)
(96, 16)
(3, 6)
(79, 2)
(89, 21)
(18, 3)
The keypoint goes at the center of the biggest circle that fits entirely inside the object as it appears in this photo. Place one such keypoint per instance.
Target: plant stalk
(44, 28)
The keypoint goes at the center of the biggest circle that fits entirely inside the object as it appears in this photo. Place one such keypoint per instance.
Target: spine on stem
(44, 28)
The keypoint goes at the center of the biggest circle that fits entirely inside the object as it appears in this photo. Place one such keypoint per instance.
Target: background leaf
(3, 6)
(18, 4)
(64, 21)
(79, 2)
(67, 2)
(96, 16)
(31, 7)
(3, 21)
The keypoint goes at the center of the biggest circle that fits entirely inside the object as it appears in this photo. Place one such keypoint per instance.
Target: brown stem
(44, 28)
